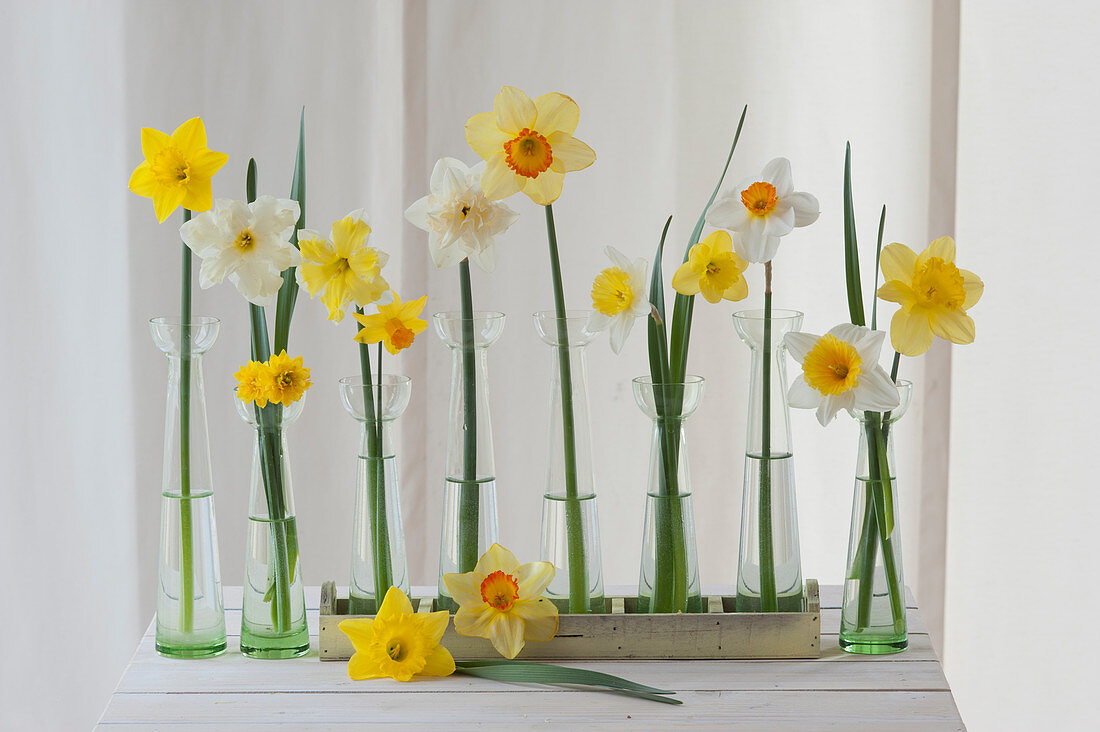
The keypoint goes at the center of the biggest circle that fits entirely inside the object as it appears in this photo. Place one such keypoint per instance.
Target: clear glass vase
(873, 617)
(273, 621)
(469, 490)
(190, 614)
(570, 526)
(378, 557)
(668, 581)
(769, 566)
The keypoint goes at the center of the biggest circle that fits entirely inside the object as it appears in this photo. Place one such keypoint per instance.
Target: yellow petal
(364, 292)
(475, 623)
(167, 200)
(533, 578)
(514, 110)
(206, 163)
(190, 137)
(898, 262)
(953, 325)
(362, 667)
(540, 618)
(496, 558)
(506, 634)
(143, 181)
(349, 234)
(435, 624)
(739, 290)
(686, 280)
(498, 181)
(395, 603)
(317, 251)
(335, 298)
(199, 195)
(546, 188)
(358, 630)
(556, 113)
(153, 141)
(412, 308)
(439, 663)
(897, 291)
(483, 135)
(910, 333)
(944, 248)
(974, 288)
(719, 242)
(465, 589)
(569, 153)
(709, 290)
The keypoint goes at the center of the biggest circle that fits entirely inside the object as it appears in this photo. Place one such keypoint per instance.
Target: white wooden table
(906, 691)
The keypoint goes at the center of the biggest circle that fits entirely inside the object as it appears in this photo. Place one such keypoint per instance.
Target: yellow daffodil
(250, 383)
(502, 600)
(177, 169)
(934, 295)
(619, 296)
(285, 379)
(395, 324)
(528, 145)
(714, 270)
(345, 269)
(398, 643)
(840, 370)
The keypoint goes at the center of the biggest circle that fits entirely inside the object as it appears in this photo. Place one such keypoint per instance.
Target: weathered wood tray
(621, 633)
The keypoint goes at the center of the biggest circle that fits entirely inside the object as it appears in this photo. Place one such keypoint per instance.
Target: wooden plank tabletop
(906, 691)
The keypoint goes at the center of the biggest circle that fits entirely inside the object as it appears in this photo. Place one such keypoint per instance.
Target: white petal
(597, 321)
(416, 214)
(485, 257)
(870, 346)
(727, 212)
(875, 392)
(799, 344)
(849, 333)
(830, 405)
(778, 173)
(803, 396)
(771, 248)
(806, 208)
(617, 258)
(444, 256)
(753, 245)
(620, 329)
(779, 222)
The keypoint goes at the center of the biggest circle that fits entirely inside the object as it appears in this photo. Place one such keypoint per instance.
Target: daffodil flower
(247, 243)
(934, 295)
(840, 371)
(250, 383)
(528, 145)
(461, 222)
(502, 600)
(618, 296)
(713, 269)
(762, 210)
(398, 643)
(177, 169)
(395, 324)
(345, 269)
(285, 379)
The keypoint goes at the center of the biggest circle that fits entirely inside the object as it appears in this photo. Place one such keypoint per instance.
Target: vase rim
(477, 315)
(777, 314)
(569, 315)
(178, 320)
(689, 380)
(387, 380)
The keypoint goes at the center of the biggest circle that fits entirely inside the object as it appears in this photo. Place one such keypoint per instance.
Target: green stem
(383, 570)
(469, 492)
(187, 547)
(768, 599)
(373, 457)
(271, 465)
(574, 525)
(865, 560)
(880, 482)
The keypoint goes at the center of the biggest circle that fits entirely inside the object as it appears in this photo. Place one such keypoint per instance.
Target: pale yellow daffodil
(177, 169)
(934, 295)
(714, 270)
(501, 600)
(395, 324)
(344, 269)
(528, 145)
(398, 643)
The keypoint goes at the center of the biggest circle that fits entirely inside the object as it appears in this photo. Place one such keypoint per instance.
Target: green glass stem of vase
(187, 548)
(574, 528)
(470, 491)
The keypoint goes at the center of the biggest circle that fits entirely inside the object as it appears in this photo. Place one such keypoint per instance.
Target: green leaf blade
(288, 293)
(851, 248)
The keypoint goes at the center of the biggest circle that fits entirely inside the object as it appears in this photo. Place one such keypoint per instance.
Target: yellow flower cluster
(279, 380)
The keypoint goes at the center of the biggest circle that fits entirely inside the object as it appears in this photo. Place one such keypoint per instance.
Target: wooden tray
(621, 633)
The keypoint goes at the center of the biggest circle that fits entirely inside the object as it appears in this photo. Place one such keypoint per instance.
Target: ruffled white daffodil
(763, 209)
(618, 296)
(247, 243)
(461, 222)
(840, 370)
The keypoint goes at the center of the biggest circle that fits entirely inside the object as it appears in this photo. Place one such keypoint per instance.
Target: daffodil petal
(498, 181)
(465, 589)
(361, 667)
(475, 623)
(799, 344)
(953, 325)
(540, 619)
(506, 634)
(686, 281)
(830, 405)
(620, 329)
(167, 201)
(910, 332)
(435, 624)
(394, 604)
(876, 392)
(546, 188)
(709, 291)
(208, 162)
(143, 181)
(803, 396)
(199, 195)
(805, 206)
(556, 113)
(944, 248)
(739, 290)
(439, 663)
(514, 110)
(358, 630)
(496, 558)
(778, 173)
(779, 222)
(569, 153)
(153, 141)
(897, 291)
(533, 578)
(897, 262)
(973, 286)
(190, 136)
(728, 212)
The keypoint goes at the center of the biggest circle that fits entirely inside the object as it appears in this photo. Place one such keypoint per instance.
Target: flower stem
(469, 492)
(374, 457)
(768, 599)
(574, 527)
(187, 570)
(381, 527)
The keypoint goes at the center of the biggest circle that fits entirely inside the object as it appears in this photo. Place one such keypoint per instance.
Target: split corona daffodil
(461, 222)
(177, 169)
(502, 600)
(840, 370)
(285, 379)
(762, 210)
(247, 243)
(395, 324)
(398, 643)
(344, 269)
(934, 295)
(714, 270)
(528, 145)
(619, 296)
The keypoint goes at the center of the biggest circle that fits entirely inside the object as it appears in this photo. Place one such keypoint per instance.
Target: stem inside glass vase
(469, 492)
(187, 571)
(376, 489)
(768, 599)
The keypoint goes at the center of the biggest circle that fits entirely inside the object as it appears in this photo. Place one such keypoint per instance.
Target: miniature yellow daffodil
(395, 324)
(502, 601)
(714, 270)
(528, 145)
(934, 295)
(398, 643)
(177, 169)
(250, 383)
(285, 379)
(345, 269)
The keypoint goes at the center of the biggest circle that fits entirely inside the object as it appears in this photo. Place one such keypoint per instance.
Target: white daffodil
(247, 243)
(461, 222)
(618, 296)
(840, 371)
(763, 209)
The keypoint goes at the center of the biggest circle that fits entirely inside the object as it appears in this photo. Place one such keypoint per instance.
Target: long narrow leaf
(851, 249)
(685, 304)
(261, 345)
(543, 673)
(878, 259)
(658, 339)
(288, 293)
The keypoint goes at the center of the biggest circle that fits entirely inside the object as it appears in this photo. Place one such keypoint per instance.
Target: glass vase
(873, 617)
(769, 566)
(570, 526)
(469, 488)
(190, 614)
(273, 621)
(378, 557)
(668, 581)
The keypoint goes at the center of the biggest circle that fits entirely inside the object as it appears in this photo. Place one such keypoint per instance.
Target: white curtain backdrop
(387, 88)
